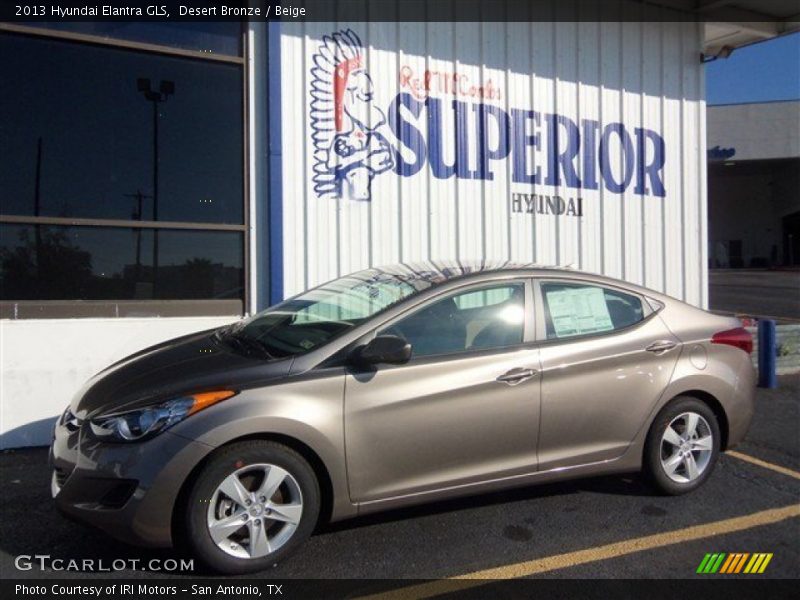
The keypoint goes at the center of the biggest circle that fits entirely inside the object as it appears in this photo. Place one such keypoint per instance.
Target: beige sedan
(397, 386)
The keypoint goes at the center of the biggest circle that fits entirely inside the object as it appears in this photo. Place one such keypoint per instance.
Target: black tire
(654, 446)
(223, 463)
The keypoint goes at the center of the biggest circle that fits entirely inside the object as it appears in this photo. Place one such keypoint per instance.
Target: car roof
(435, 273)
(427, 275)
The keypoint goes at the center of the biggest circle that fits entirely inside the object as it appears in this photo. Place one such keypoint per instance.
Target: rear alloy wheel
(251, 506)
(682, 446)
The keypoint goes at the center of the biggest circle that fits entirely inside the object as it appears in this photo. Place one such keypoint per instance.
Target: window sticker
(575, 311)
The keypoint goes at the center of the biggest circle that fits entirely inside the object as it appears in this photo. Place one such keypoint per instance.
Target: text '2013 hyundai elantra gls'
(396, 386)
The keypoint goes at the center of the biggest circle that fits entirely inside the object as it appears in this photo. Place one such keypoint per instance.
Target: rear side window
(573, 309)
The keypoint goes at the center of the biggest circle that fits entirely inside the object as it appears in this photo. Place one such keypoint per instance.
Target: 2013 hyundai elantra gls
(397, 386)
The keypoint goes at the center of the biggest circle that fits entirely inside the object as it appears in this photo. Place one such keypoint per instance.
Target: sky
(762, 72)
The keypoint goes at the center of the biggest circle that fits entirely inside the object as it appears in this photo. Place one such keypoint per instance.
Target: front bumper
(127, 490)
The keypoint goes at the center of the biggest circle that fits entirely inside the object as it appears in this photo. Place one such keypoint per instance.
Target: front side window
(491, 317)
(315, 317)
(573, 309)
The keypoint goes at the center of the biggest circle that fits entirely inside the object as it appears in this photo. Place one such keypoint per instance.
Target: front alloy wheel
(252, 505)
(255, 511)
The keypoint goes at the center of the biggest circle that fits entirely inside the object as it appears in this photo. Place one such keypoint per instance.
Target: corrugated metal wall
(639, 74)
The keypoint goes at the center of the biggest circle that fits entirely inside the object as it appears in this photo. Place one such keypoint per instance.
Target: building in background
(754, 185)
(162, 178)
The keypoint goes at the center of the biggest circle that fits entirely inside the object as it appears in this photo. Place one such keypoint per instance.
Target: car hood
(190, 364)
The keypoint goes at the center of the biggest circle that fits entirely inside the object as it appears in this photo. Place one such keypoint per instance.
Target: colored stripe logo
(734, 563)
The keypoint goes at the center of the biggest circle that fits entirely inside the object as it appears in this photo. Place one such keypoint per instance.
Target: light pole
(37, 206)
(165, 90)
(137, 215)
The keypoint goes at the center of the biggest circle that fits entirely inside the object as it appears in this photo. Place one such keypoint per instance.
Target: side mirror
(383, 349)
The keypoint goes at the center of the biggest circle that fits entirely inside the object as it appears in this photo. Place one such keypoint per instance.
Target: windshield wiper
(247, 344)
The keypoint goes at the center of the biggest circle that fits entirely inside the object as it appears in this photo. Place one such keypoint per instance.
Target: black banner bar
(31, 12)
(709, 588)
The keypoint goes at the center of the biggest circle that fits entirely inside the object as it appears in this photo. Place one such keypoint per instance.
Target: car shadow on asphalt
(617, 485)
(31, 526)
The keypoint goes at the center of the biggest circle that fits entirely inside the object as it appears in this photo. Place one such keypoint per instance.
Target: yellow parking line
(579, 557)
(763, 463)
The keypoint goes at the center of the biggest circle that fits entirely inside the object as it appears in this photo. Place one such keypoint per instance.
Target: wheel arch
(719, 412)
(307, 452)
(709, 400)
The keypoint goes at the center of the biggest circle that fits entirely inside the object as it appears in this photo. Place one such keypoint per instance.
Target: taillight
(739, 338)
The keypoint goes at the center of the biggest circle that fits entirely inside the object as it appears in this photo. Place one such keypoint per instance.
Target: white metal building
(606, 116)
(362, 144)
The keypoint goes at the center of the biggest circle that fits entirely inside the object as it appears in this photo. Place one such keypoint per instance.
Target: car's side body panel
(723, 372)
(440, 423)
(728, 376)
(306, 408)
(599, 390)
(630, 461)
(445, 419)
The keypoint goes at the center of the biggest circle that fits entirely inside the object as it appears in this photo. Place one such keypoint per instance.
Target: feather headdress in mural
(349, 149)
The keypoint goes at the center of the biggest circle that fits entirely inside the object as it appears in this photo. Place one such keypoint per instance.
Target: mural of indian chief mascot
(349, 148)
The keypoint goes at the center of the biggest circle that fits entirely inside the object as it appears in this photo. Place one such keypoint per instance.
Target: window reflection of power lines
(136, 215)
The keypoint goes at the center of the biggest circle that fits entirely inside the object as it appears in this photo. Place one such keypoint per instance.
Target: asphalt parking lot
(773, 294)
(590, 528)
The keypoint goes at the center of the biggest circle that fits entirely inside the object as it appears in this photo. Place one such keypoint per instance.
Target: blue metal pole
(767, 354)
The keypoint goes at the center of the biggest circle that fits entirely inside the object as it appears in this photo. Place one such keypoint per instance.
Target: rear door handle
(661, 346)
(516, 376)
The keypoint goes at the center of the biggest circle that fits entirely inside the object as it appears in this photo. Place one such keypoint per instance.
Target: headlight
(146, 422)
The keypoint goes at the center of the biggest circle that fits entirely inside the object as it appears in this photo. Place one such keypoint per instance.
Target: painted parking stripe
(762, 463)
(598, 553)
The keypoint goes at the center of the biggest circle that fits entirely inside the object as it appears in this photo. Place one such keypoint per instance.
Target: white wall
(44, 362)
(643, 74)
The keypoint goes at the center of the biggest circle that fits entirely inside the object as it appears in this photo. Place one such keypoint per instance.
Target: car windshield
(315, 317)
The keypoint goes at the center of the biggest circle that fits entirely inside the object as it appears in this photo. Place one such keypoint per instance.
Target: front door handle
(516, 376)
(661, 346)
